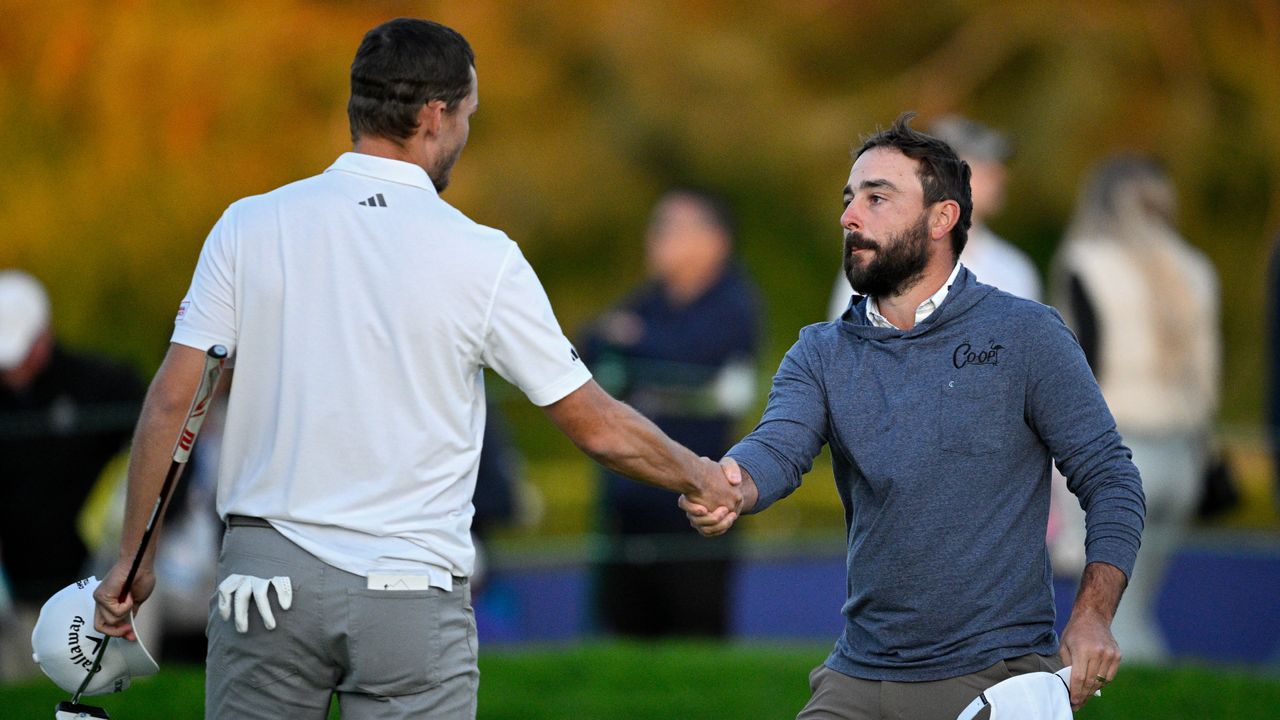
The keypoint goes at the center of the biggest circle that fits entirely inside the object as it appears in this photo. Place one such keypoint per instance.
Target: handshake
(725, 491)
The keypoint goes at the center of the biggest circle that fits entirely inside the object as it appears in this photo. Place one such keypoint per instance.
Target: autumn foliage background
(129, 125)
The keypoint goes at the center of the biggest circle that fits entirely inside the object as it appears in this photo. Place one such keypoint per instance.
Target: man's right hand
(727, 475)
(112, 617)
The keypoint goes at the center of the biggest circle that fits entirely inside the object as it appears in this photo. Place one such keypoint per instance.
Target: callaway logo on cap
(64, 644)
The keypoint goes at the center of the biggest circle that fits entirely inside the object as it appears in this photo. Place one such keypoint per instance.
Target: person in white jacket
(1144, 305)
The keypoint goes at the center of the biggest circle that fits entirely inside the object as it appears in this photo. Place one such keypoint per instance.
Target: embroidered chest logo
(966, 354)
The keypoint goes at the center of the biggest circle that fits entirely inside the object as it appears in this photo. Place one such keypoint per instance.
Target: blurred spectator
(993, 260)
(680, 349)
(1144, 305)
(63, 417)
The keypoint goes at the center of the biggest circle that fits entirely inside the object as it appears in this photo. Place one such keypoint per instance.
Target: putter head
(67, 710)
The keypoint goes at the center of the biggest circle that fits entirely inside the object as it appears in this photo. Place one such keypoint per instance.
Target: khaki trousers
(836, 696)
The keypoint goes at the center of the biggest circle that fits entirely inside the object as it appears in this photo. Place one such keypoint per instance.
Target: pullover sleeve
(791, 433)
(1065, 407)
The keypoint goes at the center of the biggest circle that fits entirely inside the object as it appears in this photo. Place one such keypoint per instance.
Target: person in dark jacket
(63, 416)
(682, 350)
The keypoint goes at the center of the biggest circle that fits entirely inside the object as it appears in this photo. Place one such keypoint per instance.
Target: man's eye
(875, 199)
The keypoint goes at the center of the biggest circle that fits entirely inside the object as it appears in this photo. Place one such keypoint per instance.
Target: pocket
(395, 640)
(815, 678)
(1050, 663)
(972, 415)
(260, 657)
(1031, 662)
(473, 639)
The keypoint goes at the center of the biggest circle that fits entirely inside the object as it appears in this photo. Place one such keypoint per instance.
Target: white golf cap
(24, 314)
(1032, 696)
(64, 643)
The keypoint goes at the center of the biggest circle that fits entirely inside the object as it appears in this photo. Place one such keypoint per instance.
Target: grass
(627, 681)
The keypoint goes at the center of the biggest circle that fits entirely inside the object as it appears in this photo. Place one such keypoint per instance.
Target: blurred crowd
(684, 348)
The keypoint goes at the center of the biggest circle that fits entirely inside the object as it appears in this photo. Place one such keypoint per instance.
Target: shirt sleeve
(1066, 408)
(524, 343)
(791, 433)
(207, 315)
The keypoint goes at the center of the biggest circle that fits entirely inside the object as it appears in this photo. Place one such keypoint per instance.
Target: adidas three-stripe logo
(375, 201)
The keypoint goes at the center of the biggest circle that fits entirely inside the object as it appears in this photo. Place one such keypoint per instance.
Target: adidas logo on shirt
(375, 201)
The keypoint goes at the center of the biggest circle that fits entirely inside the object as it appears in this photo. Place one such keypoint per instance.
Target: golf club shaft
(213, 361)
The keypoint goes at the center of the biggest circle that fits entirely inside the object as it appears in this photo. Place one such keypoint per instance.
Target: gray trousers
(839, 697)
(387, 654)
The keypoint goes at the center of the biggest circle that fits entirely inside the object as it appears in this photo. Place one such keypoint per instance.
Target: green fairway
(620, 681)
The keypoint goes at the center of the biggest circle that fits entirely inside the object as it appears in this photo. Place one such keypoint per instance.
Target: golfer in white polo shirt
(360, 309)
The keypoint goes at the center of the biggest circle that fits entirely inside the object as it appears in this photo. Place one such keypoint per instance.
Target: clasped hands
(714, 509)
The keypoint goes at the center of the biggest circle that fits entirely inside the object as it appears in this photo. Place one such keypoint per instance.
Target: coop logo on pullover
(966, 354)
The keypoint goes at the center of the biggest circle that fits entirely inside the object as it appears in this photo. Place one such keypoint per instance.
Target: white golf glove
(239, 588)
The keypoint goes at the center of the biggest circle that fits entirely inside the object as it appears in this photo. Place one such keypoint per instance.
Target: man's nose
(849, 219)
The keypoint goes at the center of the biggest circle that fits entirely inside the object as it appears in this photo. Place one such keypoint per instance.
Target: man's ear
(431, 117)
(945, 215)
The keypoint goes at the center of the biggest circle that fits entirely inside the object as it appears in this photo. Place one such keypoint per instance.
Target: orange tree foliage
(129, 125)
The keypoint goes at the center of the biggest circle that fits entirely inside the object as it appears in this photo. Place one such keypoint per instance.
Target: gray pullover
(941, 438)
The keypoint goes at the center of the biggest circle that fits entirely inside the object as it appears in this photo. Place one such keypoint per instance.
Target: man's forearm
(163, 413)
(621, 439)
(1101, 586)
(640, 450)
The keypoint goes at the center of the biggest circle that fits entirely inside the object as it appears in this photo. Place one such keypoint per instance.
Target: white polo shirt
(359, 309)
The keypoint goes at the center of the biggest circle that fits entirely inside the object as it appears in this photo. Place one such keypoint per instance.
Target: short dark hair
(400, 66)
(943, 175)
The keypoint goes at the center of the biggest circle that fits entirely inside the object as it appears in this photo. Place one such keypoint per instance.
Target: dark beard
(896, 265)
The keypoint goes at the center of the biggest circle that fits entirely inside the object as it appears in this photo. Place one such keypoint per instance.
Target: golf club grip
(213, 361)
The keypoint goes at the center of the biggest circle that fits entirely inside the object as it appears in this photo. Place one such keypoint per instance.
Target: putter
(213, 362)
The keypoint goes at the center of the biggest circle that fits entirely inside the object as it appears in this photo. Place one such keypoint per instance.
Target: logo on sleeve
(182, 310)
(573, 354)
(966, 354)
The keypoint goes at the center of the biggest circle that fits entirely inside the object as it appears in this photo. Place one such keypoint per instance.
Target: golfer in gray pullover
(943, 401)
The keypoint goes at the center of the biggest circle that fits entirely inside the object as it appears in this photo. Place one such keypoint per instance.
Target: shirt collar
(396, 171)
(926, 308)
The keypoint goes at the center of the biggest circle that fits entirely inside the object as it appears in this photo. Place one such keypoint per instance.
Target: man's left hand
(1091, 651)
